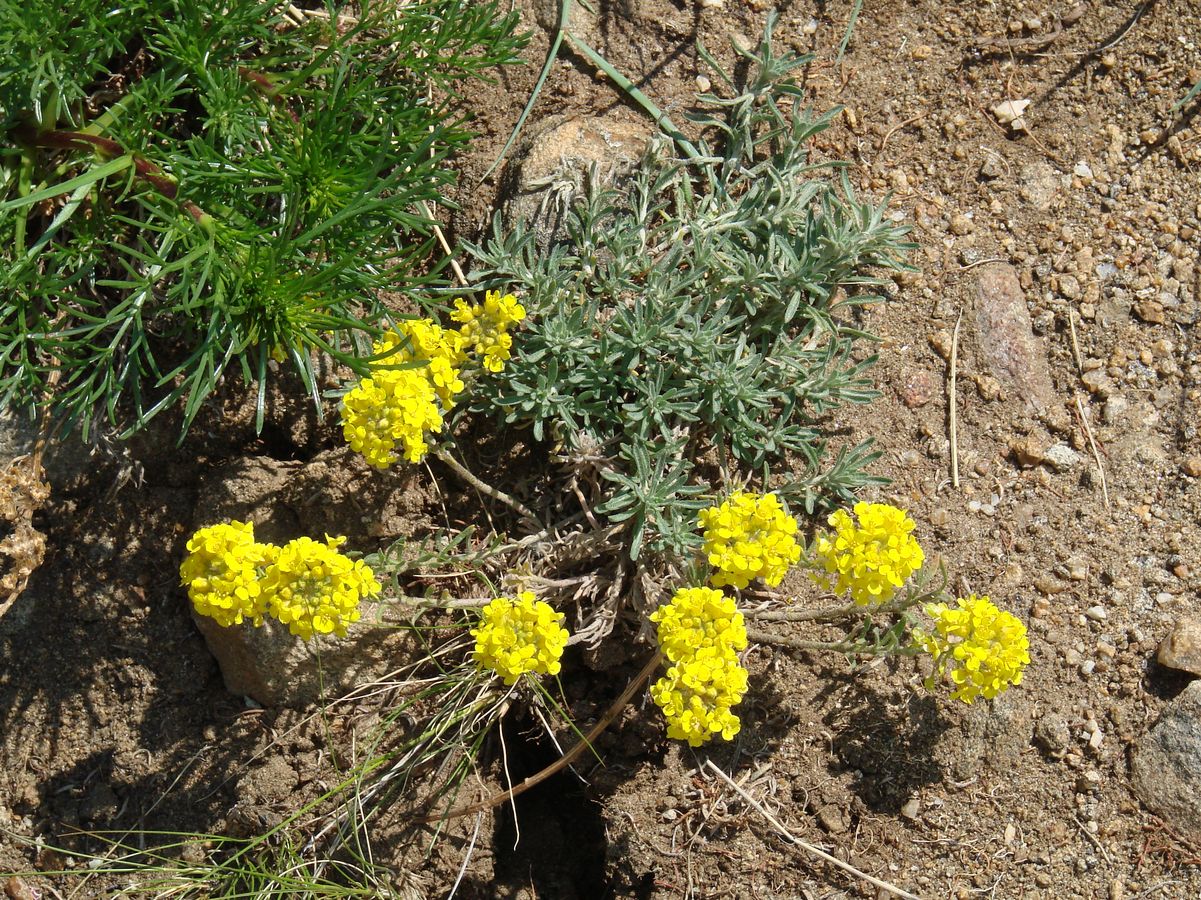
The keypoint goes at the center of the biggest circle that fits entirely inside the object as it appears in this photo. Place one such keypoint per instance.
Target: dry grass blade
(953, 403)
(816, 851)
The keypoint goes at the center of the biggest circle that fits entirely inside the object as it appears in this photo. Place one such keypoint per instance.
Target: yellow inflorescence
(485, 327)
(519, 636)
(699, 617)
(310, 587)
(984, 649)
(870, 559)
(696, 697)
(221, 572)
(423, 340)
(314, 589)
(749, 536)
(700, 632)
(395, 408)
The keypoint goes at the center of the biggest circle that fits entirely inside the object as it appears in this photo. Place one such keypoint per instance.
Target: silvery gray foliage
(701, 311)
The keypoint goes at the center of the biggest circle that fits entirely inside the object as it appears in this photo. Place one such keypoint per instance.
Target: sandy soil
(113, 714)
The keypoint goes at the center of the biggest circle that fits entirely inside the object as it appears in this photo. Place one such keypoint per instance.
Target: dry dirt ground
(113, 714)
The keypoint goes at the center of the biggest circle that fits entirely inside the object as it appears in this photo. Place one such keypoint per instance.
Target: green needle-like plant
(195, 189)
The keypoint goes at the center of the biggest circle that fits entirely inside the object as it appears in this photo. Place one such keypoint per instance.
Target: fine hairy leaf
(698, 322)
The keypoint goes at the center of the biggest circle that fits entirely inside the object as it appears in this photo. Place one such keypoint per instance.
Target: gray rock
(334, 494)
(1181, 649)
(1039, 185)
(1115, 410)
(1010, 351)
(275, 668)
(1166, 765)
(1051, 734)
(1061, 457)
(562, 159)
(992, 734)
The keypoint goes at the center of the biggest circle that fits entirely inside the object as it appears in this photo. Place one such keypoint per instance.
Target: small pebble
(703, 84)
(1097, 613)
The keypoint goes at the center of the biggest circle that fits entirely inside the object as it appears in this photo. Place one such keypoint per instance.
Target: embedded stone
(1181, 648)
(1004, 332)
(1166, 764)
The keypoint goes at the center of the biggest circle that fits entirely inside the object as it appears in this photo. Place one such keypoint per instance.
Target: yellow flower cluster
(309, 586)
(393, 408)
(423, 340)
(700, 632)
(390, 413)
(984, 649)
(398, 407)
(749, 536)
(485, 327)
(519, 636)
(870, 559)
(221, 572)
(697, 618)
(312, 588)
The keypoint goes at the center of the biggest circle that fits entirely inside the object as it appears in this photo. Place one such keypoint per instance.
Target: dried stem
(488, 490)
(566, 759)
(816, 851)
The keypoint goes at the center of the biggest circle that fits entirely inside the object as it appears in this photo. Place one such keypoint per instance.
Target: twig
(484, 488)
(1075, 343)
(954, 403)
(855, 647)
(792, 839)
(563, 761)
(898, 127)
(981, 262)
(1088, 431)
(1093, 838)
(831, 614)
(466, 858)
(454, 263)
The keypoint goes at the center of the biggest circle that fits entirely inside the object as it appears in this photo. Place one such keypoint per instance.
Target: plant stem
(857, 647)
(462, 471)
(563, 761)
(828, 614)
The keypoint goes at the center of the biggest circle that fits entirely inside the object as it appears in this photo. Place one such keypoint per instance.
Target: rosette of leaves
(702, 309)
(194, 188)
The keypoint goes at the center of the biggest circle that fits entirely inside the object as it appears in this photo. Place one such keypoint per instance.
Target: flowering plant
(983, 649)
(521, 635)
(309, 586)
(700, 632)
(871, 558)
(749, 536)
(416, 374)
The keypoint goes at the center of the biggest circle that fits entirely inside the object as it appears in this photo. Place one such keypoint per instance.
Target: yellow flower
(696, 697)
(749, 536)
(485, 327)
(395, 407)
(871, 559)
(221, 572)
(700, 632)
(314, 589)
(982, 648)
(423, 340)
(696, 618)
(399, 407)
(519, 636)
